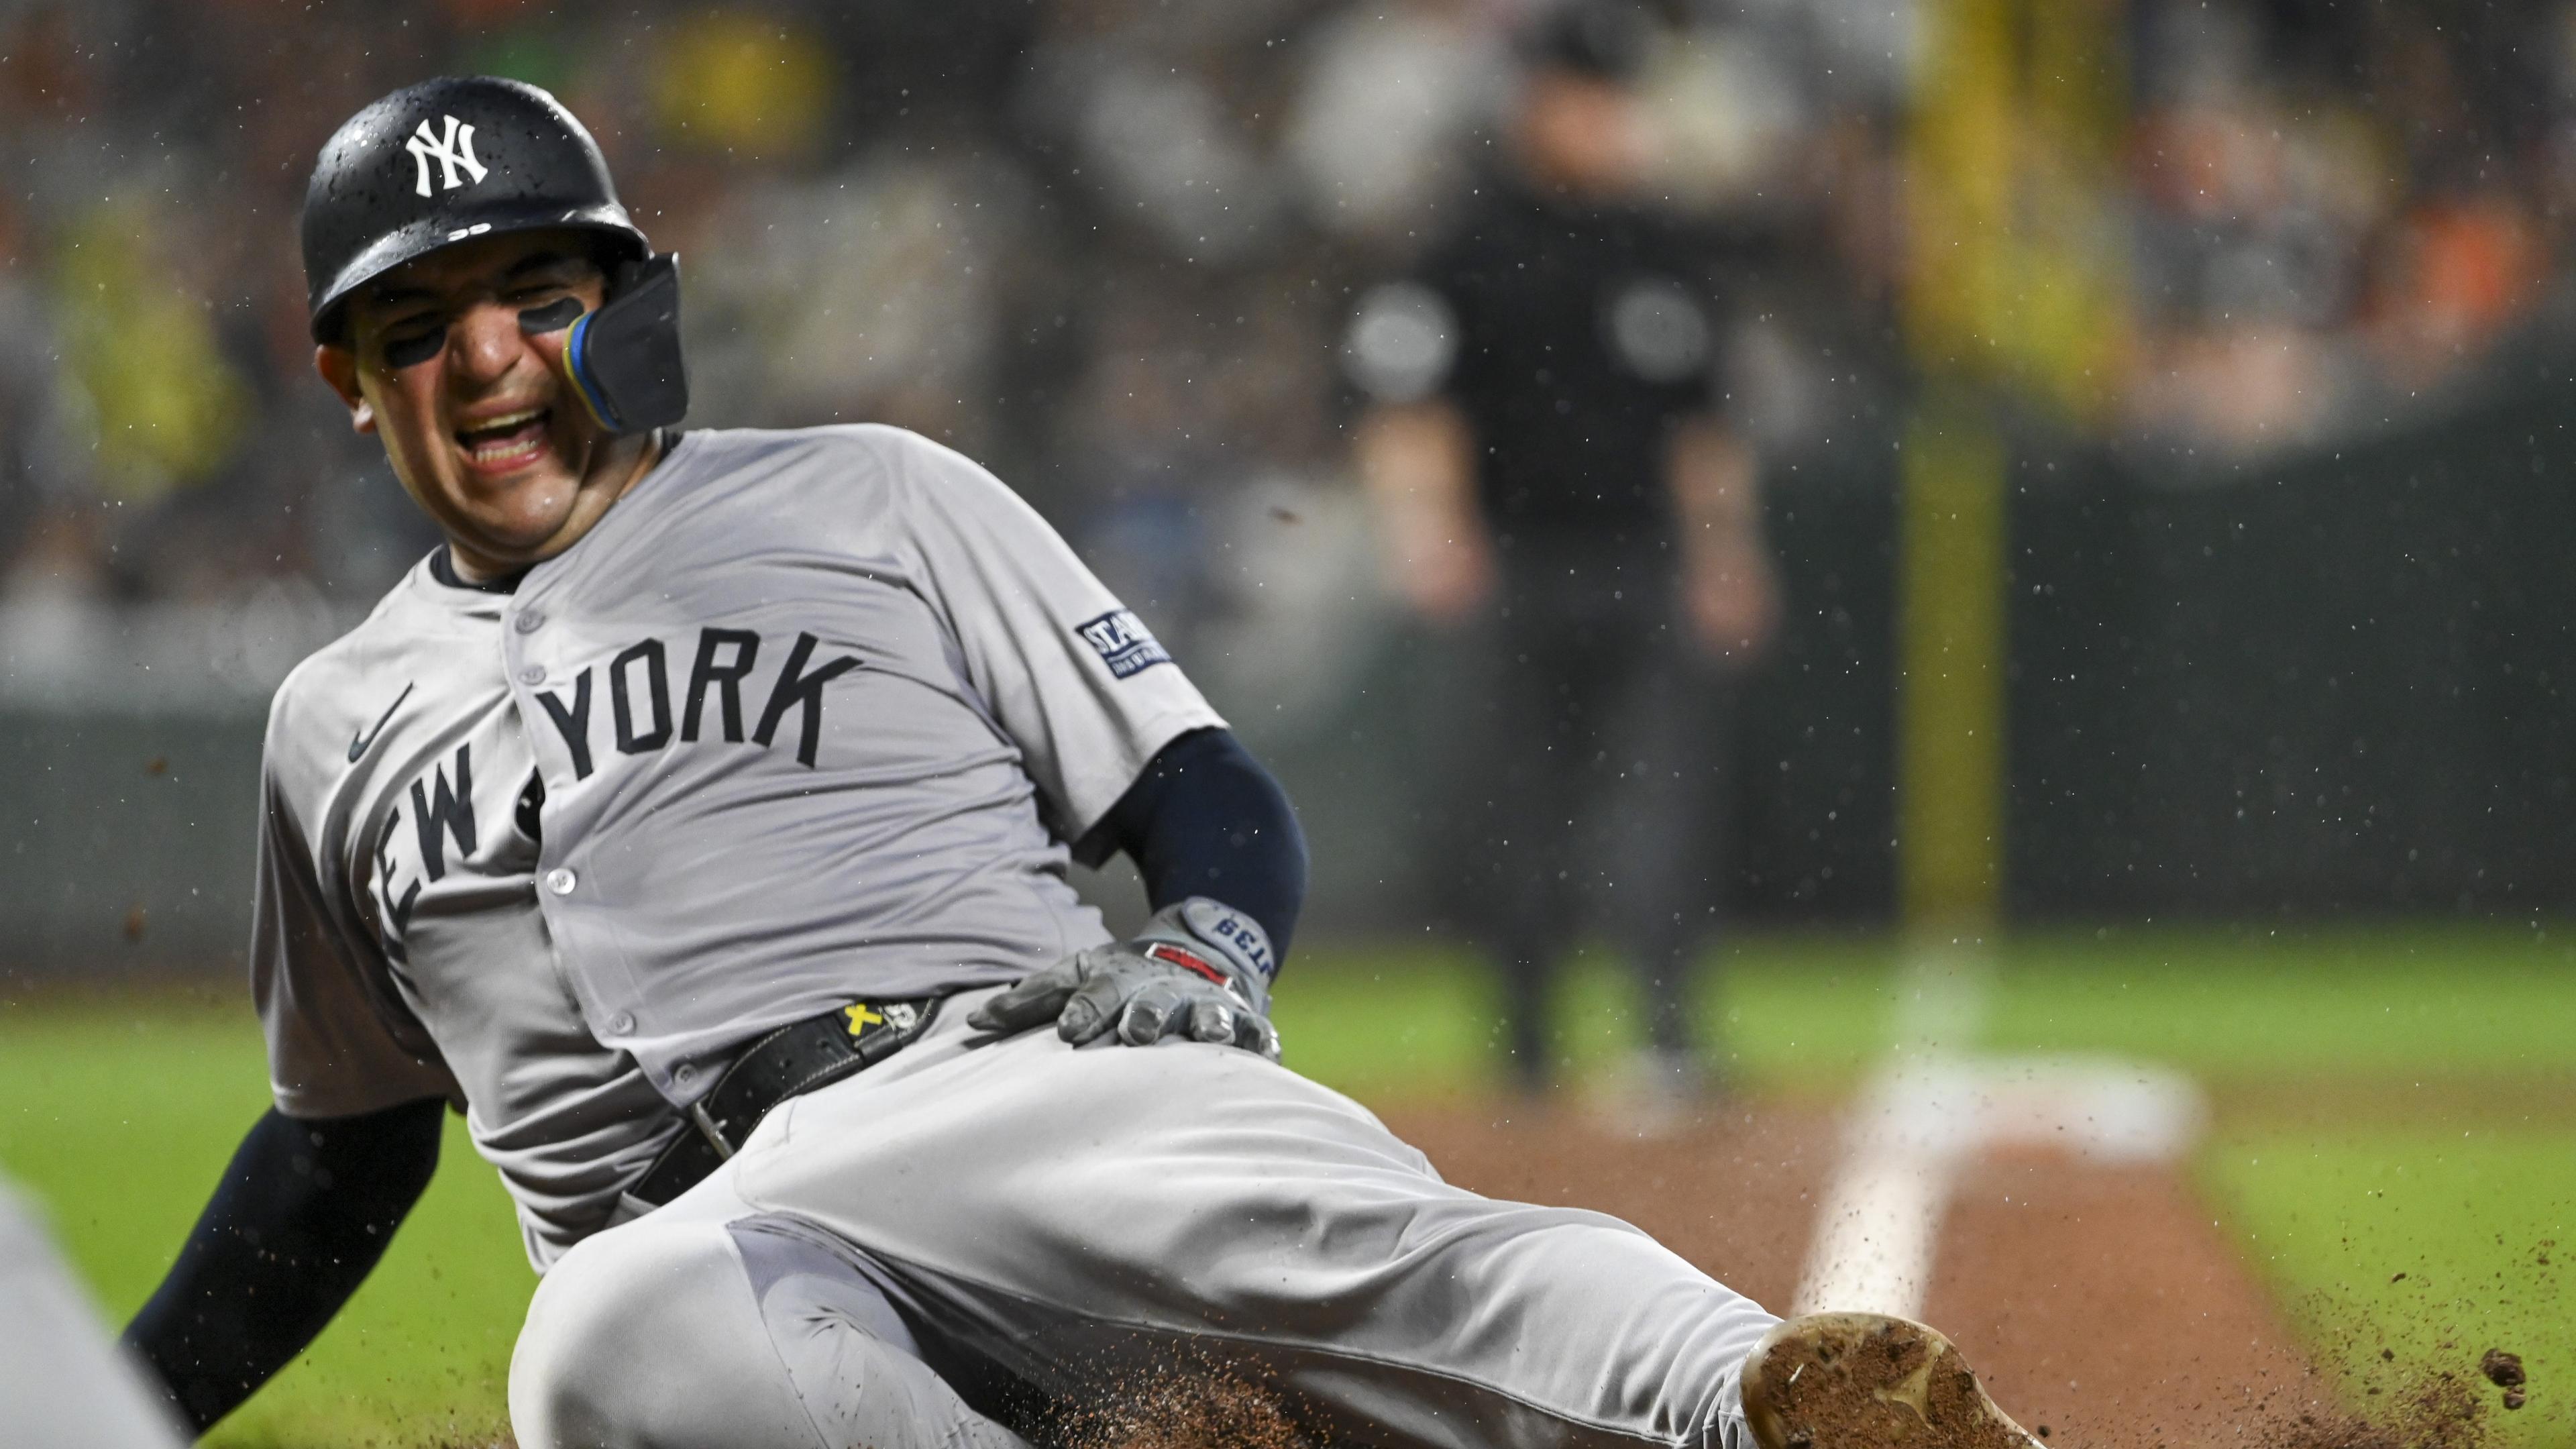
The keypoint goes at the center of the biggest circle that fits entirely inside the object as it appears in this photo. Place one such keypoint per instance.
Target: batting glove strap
(1213, 939)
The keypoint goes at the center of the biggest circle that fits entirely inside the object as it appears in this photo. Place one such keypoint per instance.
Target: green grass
(2346, 1065)
(2481, 1221)
(1812, 1012)
(2378, 1003)
(119, 1116)
(1797, 1013)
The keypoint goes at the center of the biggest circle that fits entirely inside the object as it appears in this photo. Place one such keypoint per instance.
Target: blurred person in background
(41, 475)
(1146, 459)
(2328, 220)
(1552, 472)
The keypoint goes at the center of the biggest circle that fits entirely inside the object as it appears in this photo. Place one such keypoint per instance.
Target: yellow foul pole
(2011, 281)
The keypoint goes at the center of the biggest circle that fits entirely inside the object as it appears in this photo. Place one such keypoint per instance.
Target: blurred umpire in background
(1554, 479)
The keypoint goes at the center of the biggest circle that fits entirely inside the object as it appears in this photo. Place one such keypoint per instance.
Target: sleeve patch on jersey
(1123, 643)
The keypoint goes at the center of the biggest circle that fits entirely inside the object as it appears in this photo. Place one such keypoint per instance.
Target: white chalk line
(1879, 1219)
(1936, 1106)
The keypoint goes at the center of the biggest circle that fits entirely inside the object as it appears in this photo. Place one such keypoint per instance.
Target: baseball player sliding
(696, 821)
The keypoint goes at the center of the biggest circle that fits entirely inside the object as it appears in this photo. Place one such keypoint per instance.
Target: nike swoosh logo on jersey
(358, 743)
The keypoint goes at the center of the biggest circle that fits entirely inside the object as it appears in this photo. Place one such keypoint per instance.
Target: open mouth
(510, 441)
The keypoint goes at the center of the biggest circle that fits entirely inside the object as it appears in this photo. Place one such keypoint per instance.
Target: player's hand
(1200, 971)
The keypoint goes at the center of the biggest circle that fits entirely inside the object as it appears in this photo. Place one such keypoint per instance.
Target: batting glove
(1200, 971)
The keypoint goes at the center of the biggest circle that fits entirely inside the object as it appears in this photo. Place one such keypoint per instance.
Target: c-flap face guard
(624, 359)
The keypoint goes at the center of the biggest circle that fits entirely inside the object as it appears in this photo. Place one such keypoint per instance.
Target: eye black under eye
(415, 347)
(554, 316)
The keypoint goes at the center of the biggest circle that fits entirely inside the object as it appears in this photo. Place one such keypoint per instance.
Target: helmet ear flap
(624, 359)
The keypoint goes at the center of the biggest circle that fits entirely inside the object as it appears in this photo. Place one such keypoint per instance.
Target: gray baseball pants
(1106, 1223)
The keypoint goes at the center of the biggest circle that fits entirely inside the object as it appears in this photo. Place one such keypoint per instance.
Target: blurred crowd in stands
(1110, 247)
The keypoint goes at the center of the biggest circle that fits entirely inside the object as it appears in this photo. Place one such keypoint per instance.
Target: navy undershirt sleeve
(1205, 819)
(301, 1215)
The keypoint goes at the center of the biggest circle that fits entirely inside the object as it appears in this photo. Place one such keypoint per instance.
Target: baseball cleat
(1867, 1380)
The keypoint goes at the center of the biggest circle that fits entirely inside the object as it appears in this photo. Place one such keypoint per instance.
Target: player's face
(473, 407)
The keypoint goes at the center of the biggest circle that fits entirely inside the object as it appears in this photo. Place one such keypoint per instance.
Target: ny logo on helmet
(453, 150)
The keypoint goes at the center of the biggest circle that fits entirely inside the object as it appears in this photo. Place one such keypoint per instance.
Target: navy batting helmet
(441, 161)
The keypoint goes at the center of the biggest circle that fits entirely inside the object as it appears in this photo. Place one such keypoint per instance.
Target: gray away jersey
(807, 715)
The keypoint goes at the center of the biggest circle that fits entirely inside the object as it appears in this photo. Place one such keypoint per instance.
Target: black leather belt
(795, 1058)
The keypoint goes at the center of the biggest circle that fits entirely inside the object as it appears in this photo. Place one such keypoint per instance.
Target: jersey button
(621, 1025)
(684, 1074)
(532, 674)
(561, 881)
(531, 621)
